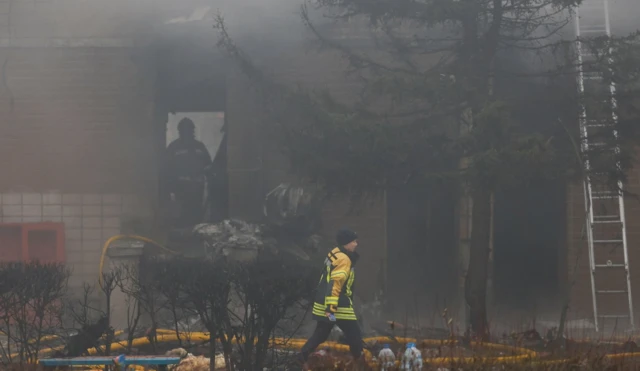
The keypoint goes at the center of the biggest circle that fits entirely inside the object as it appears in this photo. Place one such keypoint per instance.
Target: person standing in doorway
(333, 304)
(187, 163)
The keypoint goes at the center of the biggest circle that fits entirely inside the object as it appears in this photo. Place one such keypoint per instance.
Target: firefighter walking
(333, 304)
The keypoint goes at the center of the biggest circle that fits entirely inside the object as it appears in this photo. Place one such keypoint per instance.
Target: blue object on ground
(124, 361)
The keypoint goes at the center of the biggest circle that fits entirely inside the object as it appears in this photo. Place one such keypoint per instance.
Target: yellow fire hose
(113, 239)
(521, 355)
(166, 335)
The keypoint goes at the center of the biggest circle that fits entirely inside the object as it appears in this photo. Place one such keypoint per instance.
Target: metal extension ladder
(606, 230)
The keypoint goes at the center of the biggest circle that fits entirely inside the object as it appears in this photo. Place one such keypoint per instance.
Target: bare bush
(240, 304)
(141, 298)
(90, 319)
(170, 282)
(30, 307)
(108, 284)
(84, 312)
(266, 290)
(206, 288)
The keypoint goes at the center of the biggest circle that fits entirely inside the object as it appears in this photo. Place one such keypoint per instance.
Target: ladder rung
(606, 217)
(593, 33)
(611, 291)
(592, 12)
(599, 8)
(598, 176)
(614, 316)
(609, 265)
(605, 193)
(601, 146)
(586, 123)
(601, 150)
(585, 7)
(591, 4)
(606, 221)
(607, 241)
(597, 125)
(593, 29)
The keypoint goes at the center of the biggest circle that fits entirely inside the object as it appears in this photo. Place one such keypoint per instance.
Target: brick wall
(76, 144)
(75, 120)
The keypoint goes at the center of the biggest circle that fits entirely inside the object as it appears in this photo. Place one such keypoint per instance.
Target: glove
(331, 309)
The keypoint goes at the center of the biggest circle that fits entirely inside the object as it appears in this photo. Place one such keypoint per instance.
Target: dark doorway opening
(191, 84)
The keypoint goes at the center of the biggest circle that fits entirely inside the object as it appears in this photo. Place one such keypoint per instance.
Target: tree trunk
(477, 273)
(212, 353)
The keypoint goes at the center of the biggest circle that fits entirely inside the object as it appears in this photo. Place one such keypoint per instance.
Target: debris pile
(292, 216)
(190, 362)
(292, 207)
(233, 239)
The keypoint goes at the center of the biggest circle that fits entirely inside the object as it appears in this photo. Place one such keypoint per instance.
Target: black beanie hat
(186, 124)
(345, 236)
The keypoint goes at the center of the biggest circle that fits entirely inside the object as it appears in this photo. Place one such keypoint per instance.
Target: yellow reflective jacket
(336, 285)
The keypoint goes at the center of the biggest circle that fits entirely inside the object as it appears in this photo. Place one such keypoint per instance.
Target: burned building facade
(89, 93)
(89, 96)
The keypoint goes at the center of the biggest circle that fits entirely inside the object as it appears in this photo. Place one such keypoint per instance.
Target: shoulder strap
(332, 256)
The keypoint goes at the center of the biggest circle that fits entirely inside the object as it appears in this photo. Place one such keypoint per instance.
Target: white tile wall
(31, 198)
(89, 220)
(12, 210)
(12, 199)
(52, 212)
(52, 199)
(32, 210)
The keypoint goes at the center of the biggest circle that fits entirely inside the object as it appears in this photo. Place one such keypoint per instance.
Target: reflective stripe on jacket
(336, 286)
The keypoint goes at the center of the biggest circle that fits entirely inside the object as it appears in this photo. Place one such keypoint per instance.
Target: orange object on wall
(32, 241)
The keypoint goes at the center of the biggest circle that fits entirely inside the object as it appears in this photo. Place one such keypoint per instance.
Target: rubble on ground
(290, 228)
(190, 362)
(233, 239)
